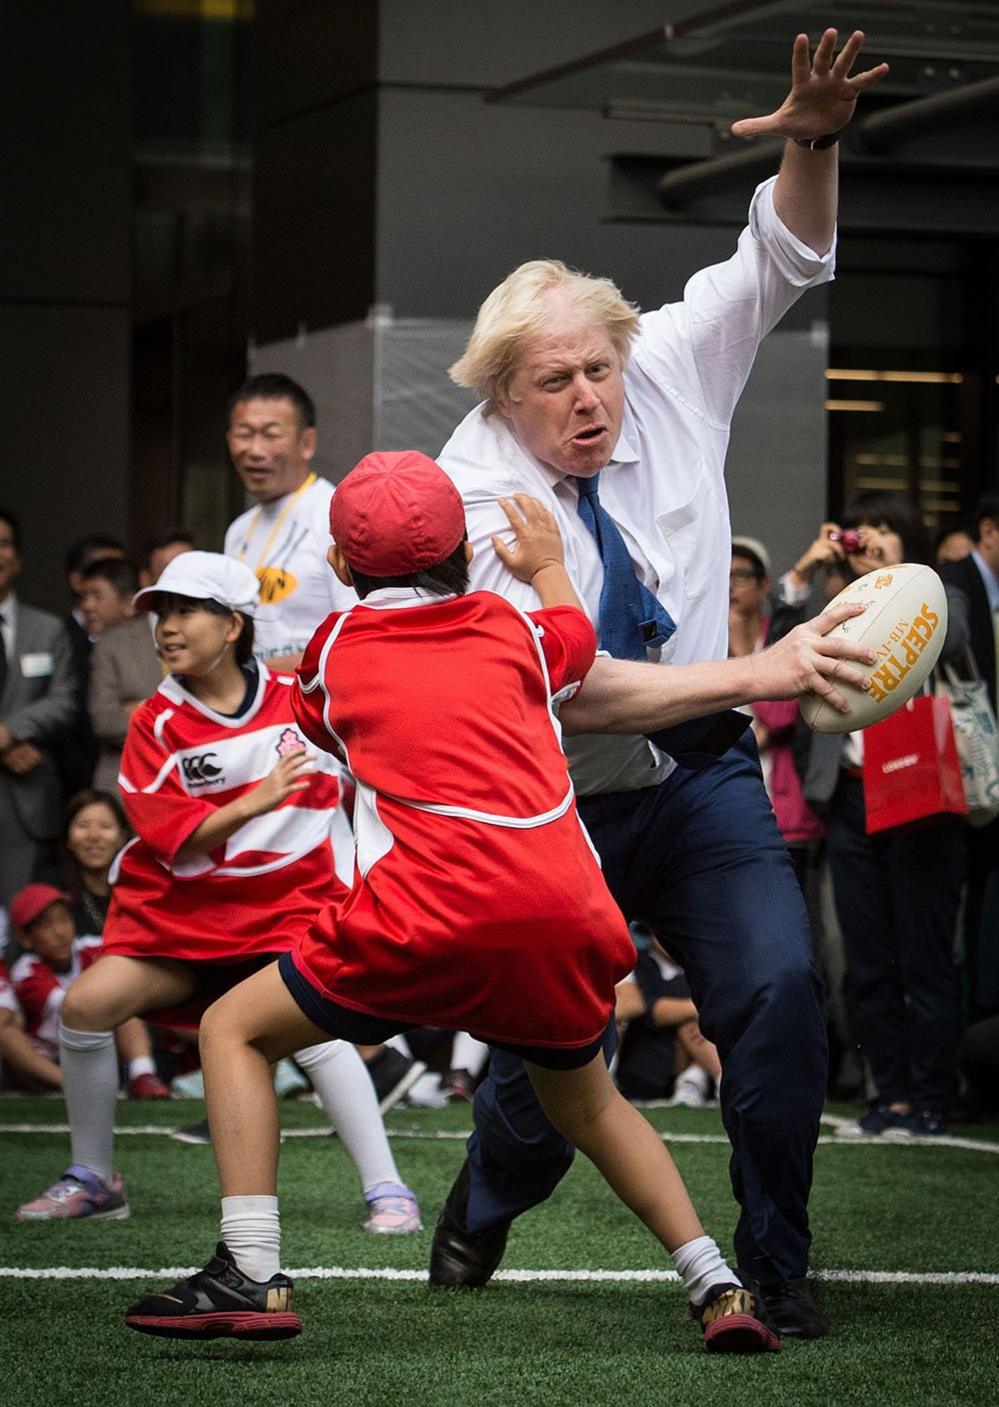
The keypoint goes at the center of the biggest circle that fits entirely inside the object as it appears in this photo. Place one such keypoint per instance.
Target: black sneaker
(926, 1123)
(734, 1320)
(219, 1302)
(393, 1075)
(461, 1259)
(792, 1310)
(193, 1133)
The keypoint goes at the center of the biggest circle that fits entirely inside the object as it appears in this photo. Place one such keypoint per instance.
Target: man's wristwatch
(818, 143)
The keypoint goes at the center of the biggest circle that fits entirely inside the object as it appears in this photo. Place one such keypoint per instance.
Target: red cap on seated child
(395, 513)
(32, 901)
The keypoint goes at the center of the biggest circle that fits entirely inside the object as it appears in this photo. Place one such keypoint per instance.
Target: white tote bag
(977, 740)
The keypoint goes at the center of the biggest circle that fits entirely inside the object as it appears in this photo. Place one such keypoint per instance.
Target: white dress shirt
(8, 610)
(664, 485)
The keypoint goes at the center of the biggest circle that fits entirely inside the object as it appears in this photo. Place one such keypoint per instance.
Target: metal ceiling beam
(886, 129)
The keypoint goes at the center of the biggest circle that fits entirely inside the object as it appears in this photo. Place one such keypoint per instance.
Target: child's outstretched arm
(537, 555)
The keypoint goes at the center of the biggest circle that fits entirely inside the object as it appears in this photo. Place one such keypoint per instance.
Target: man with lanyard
(272, 442)
(620, 426)
(284, 540)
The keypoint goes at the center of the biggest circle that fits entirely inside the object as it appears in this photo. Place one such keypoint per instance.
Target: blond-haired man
(575, 386)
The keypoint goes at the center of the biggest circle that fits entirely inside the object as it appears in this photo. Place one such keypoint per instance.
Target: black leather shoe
(461, 1259)
(792, 1310)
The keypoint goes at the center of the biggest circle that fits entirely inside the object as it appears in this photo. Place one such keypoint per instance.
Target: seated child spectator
(477, 901)
(662, 1052)
(21, 1065)
(54, 956)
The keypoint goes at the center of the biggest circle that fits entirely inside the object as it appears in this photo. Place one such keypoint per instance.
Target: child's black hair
(244, 641)
(447, 578)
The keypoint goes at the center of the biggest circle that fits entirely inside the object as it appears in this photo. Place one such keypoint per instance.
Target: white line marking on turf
(849, 1137)
(339, 1272)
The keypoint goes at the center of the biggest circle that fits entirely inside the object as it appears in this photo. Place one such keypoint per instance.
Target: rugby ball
(905, 623)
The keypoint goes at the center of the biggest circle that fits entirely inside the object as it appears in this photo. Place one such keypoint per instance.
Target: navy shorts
(343, 1024)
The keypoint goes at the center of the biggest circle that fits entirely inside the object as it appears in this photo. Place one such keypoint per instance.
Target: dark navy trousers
(699, 858)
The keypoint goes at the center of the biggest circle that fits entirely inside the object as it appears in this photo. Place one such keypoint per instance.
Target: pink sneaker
(394, 1210)
(79, 1192)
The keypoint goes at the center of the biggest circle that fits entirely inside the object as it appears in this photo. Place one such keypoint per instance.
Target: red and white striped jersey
(256, 891)
(8, 997)
(41, 991)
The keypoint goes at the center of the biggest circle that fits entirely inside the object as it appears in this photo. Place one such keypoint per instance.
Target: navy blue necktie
(631, 620)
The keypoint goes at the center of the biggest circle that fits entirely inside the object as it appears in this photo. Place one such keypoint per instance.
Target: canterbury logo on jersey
(200, 769)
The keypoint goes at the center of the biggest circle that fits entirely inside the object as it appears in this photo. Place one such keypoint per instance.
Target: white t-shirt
(664, 486)
(285, 543)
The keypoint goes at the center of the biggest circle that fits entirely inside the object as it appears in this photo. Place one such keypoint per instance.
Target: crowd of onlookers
(906, 921)
(906, 926)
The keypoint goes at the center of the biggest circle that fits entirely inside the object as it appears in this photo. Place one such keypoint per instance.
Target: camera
(849, 540)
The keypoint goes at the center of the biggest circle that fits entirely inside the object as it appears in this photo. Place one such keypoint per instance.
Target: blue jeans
(699, 858)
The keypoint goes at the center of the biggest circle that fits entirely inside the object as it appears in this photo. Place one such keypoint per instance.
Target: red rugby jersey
(254, 893)
(478, 901)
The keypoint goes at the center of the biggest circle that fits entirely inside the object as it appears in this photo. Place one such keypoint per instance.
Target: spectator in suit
(124, 671)
(976, 579)
(75, 747)
(36, 700)
(108, 586)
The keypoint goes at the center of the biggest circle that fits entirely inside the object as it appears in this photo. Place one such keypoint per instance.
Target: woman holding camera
(897, 893)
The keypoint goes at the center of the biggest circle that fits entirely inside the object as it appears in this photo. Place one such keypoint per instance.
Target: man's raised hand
(823, 95)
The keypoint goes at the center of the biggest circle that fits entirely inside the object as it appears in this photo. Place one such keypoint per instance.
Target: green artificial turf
(378, 1343)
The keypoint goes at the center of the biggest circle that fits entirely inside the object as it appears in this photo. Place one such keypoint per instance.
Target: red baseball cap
(32, 901)
(396, 512)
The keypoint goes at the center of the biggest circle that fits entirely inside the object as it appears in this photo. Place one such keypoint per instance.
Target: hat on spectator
(204, 576)
(752, 547)
(31, 902)
(395, 513)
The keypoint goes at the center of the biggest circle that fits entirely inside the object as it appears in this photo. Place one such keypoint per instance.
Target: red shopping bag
(912, 772)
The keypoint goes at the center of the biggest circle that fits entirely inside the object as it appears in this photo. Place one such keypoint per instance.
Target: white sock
(141, 1065)
(251, 1228)
(467, 1053)
(89, 1063)
(350, 1103)
(701, 1265)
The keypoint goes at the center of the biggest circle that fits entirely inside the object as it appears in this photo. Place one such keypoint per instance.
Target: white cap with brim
(204, 576)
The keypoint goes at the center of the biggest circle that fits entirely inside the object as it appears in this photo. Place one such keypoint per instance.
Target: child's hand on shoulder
(537, 542)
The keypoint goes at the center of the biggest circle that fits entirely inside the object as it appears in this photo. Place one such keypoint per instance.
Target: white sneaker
(688, 1094)
(427, 1093)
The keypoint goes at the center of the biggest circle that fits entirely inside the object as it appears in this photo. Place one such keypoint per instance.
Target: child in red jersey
(53, 958)
(478, 900)
(21, 1065)
(235, 817)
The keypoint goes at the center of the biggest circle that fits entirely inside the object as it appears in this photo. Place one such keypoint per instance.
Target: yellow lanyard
(274, 530)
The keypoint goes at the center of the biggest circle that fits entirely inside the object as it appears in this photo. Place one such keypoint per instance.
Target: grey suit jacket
(37, 701)
(123, 666)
